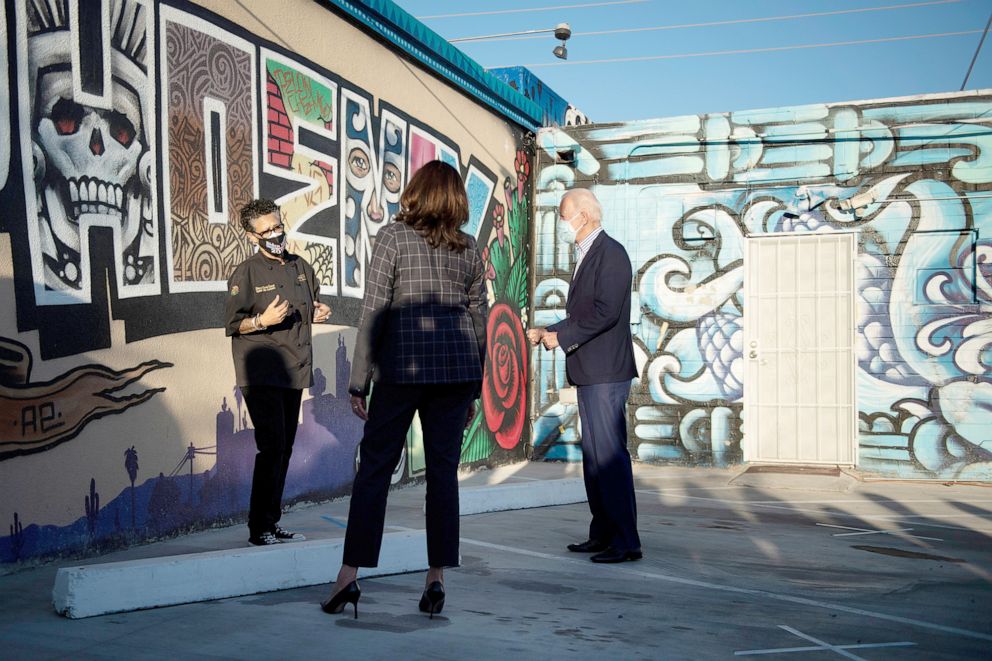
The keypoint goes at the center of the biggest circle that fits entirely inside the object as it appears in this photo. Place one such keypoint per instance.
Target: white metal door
(799, 403)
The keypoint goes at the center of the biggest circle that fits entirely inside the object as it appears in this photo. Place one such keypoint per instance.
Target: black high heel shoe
(349, 594)
(432, 600)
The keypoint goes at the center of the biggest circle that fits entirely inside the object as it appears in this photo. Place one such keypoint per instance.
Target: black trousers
(606, 465)
(443, 411)
(274, 412)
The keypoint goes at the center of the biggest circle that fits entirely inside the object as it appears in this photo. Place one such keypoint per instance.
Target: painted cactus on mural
(911, 177)
(137, 267)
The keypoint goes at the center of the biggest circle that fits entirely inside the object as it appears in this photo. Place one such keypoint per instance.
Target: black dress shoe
(614, 555)
(588, 546)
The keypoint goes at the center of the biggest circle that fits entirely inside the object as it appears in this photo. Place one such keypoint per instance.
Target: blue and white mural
(913, 178)
(557, 111)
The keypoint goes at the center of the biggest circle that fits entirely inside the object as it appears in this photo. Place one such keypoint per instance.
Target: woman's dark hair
(434, 204)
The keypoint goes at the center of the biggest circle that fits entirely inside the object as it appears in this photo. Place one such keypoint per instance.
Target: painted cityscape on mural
(130, 178)
(135, 129)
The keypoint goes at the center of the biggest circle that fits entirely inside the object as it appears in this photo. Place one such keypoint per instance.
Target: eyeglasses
(272, 231)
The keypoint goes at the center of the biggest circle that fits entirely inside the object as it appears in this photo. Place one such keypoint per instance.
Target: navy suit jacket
(595, 333)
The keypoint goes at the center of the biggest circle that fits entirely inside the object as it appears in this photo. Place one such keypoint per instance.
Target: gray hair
(586, 201)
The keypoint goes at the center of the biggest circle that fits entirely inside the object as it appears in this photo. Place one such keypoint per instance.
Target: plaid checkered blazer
(424, 315)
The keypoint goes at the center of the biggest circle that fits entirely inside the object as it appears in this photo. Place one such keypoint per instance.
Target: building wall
(684, 193)
(134, 131)
(557, 111)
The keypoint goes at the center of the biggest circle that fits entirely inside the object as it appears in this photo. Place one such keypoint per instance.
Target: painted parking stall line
(821, 646)
(787, 598)
(801, 510)
(877, 531)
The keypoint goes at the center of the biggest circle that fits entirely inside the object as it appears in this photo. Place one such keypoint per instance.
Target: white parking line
(799, 510)
(827, 501)
(803, 601)
(821, 646)
(866, 531)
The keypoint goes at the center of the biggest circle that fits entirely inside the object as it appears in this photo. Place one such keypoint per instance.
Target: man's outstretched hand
(535, 335)
(543, 336)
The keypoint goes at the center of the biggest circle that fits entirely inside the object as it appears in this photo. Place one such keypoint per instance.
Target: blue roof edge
(392, 23)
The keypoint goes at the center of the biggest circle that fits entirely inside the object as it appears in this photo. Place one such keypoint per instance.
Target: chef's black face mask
(274, 245)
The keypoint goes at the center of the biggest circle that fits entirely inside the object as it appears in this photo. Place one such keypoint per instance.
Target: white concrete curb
(538, 493)
(115, 587)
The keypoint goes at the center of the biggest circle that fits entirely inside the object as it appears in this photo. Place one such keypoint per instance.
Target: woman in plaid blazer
(422, 339)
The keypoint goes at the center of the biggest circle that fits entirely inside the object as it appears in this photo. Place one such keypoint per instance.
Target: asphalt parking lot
(736, 565)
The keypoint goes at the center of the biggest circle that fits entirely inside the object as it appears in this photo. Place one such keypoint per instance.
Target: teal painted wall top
(392, 23)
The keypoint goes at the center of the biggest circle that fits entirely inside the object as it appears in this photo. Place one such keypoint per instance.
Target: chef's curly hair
(256, 209)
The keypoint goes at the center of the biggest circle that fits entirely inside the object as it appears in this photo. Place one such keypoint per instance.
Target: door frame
(748, 441)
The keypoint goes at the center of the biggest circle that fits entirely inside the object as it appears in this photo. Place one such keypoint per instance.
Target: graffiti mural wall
(557, 111)
(134, 131)
(911, 177)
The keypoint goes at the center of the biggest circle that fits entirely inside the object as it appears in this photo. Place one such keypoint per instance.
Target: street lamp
(562, 32)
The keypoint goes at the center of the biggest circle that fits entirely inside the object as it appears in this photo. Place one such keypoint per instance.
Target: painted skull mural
(93, 160)
(138, 124)
(910, 178)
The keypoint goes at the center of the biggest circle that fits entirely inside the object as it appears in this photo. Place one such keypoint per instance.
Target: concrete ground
(736, 564)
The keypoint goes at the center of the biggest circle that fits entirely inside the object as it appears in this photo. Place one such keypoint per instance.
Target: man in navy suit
(599, 360)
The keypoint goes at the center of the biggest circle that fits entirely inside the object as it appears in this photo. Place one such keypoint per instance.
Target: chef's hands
(275, 313)
(321, 313)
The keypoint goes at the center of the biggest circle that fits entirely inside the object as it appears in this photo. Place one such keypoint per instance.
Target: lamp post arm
(499, 36)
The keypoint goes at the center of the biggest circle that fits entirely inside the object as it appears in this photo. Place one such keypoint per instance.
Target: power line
(735, 21)
(977, 50)
(583, 5)
(745, 51)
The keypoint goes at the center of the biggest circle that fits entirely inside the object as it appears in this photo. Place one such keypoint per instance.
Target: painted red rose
(504, 389)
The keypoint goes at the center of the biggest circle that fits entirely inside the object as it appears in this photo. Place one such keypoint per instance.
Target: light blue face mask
(573, 231)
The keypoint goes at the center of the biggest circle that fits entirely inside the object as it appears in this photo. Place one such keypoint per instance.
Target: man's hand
(275, 313)
(358, 407)
(321, 313)
(534, 335)
(550, 340)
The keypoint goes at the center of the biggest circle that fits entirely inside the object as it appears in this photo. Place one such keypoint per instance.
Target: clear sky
(666, 86)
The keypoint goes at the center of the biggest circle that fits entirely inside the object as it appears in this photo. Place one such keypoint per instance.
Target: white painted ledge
(536, 493)
(116, 587)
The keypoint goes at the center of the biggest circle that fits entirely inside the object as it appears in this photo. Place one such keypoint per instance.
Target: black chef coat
(281, 355)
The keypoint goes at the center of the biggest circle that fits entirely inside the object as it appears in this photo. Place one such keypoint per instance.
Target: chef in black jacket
(271, 306)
